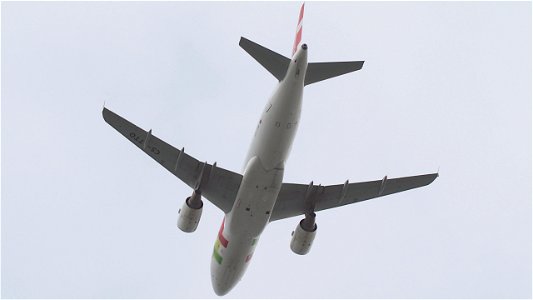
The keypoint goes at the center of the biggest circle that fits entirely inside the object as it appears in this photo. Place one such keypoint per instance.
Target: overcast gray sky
(86, 214)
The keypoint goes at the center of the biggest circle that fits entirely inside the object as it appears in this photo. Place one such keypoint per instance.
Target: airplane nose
(225, 276)
(220, 290)
(221, 280)
(221, 287)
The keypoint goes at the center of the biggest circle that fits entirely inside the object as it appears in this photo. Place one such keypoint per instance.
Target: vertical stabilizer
(299, 29)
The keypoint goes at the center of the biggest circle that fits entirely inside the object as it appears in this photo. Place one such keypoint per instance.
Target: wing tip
(433, 176)
(106, 114)
(104, 111)
(242, 40)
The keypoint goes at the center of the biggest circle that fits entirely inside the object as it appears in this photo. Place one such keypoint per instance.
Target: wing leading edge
(297, 199)
(217, 185)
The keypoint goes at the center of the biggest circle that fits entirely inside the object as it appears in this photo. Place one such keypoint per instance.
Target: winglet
(298, 37)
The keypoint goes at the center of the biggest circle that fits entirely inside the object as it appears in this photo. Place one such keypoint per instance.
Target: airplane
(257, 196)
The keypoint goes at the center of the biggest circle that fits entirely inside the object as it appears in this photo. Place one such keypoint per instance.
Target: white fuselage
(262, 179)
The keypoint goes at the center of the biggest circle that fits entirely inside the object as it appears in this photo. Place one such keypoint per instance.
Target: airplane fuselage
(262, 178)
(248, 199)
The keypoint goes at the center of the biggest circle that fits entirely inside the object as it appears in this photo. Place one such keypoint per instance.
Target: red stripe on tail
(298, 37)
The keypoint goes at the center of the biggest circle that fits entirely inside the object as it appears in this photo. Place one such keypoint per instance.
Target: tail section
(299, 29)
(321, 71)
(275, 63)
(278, 64)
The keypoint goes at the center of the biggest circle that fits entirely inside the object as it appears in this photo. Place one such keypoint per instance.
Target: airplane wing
(296, 199)
(217, 185)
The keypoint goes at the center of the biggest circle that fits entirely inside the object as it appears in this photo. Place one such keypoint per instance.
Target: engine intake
(303, 236)
(190, 213)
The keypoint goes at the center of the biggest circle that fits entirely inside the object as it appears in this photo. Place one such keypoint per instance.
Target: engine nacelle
(303, 236)
(190, 213)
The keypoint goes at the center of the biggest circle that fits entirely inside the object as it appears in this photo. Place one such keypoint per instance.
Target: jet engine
(190, 213)
(303, 236)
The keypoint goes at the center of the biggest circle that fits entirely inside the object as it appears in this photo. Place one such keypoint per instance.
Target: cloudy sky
(445, 85)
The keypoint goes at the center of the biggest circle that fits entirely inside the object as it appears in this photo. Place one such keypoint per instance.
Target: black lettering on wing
(136, 138)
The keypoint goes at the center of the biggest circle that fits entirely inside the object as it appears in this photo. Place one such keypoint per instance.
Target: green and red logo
(221, 241)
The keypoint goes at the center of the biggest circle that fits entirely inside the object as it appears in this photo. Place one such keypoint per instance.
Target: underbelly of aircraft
(242, 226)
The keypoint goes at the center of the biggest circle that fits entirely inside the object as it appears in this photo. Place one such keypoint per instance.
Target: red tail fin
(298, 37)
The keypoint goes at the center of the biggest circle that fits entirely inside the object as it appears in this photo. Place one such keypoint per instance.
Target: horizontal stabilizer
(323, 70)
(275, 63)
